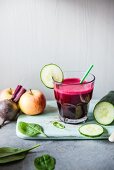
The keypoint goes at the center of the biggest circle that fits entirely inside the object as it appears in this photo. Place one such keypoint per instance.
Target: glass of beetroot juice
(73, 98)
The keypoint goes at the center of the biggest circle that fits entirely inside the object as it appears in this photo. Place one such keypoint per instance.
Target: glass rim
(93, 79)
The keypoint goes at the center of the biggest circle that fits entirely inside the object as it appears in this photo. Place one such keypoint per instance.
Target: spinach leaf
(8, 151)
(45, 162)
(58, 125)
(5, 151)
(30, 129)
(13, 158)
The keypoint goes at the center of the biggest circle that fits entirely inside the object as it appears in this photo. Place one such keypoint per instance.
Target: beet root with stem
(8, 111)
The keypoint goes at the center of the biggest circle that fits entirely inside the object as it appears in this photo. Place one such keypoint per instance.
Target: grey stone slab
(70, 155)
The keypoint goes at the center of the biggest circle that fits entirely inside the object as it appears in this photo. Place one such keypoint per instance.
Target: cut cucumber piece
(50, 73)
(91, 130)
(104, 109)
(104, 113)
(108, 98)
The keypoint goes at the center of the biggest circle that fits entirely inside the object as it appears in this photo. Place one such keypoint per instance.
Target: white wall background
(70, 33)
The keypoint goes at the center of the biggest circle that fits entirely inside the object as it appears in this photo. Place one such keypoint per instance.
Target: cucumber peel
(91, 130)
(50, 73)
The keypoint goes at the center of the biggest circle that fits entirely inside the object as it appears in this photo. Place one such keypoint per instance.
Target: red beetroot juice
(73, 99)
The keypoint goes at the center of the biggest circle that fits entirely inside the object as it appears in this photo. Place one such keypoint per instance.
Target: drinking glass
(72, 97)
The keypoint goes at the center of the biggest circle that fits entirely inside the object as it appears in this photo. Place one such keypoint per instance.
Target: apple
(6, 94)
(32, 102)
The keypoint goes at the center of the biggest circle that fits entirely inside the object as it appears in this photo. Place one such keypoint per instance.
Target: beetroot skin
(9, 108)
(8, 111)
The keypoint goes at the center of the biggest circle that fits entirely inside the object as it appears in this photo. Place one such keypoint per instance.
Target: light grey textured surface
(70, 155)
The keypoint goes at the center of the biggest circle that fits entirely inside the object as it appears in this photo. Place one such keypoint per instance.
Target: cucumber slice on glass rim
(104, 113)
(50, 73)
(91, 130)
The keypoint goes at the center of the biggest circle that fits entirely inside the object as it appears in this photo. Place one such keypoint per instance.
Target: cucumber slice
(50, 73)
(104, 113)
(91, 130)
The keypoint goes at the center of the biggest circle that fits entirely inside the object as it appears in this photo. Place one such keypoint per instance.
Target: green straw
(86, 74)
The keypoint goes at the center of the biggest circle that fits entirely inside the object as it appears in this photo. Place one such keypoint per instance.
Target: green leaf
(13, 158)
(5, 151)
(8, 151)
(58, 125)
(30, 129)
(45, 162)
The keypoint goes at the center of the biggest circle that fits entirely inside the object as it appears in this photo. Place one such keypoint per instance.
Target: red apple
(6, 94)
(32, 102)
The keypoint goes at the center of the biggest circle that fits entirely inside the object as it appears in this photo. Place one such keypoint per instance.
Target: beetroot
(9, 108)
(8, 111)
